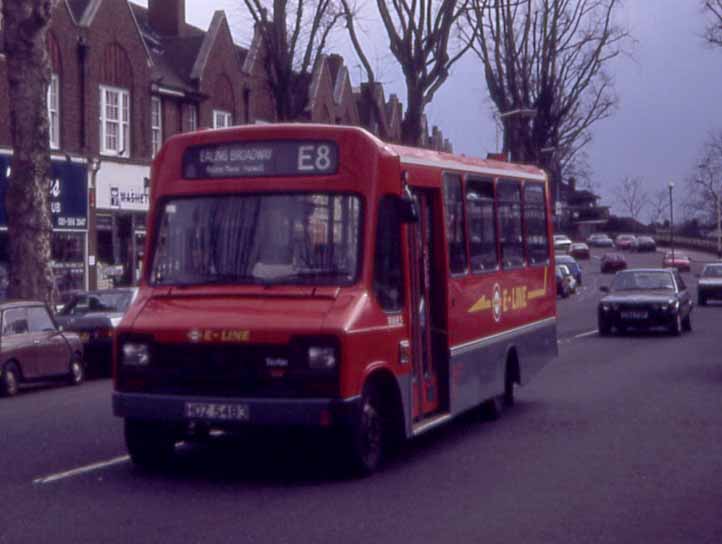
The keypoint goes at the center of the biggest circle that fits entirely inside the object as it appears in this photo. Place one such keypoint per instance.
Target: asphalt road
(616, 441)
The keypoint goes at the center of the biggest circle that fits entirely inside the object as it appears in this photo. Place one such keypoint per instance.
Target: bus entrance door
(425, 376)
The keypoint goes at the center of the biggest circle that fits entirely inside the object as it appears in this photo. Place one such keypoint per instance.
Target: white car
(561, 243)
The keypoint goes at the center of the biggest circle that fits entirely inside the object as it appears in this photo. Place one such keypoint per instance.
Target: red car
(579, 251)
(625, 241)
(677, 260)
(611, 262)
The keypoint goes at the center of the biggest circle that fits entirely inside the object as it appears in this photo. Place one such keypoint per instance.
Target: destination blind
(260, 159)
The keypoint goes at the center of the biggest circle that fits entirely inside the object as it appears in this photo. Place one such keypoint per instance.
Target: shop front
(69, 207)
(122, 207)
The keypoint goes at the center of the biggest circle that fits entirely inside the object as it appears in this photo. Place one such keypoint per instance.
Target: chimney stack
(167, 17)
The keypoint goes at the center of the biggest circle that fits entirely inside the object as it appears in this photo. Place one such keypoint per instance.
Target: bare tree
(27, 201)
(631, 196)
(704, 185)
(420, 35)
(294, 36)
(659, 206)
(544, 63)
(713, 29)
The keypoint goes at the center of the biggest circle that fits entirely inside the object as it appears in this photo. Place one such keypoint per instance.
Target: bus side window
(455, 234)
(512, 240)
(535, 221)
(388, 277)
(482, 225)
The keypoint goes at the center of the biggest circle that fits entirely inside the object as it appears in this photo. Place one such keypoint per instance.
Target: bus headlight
(322, 357)
(135, 354)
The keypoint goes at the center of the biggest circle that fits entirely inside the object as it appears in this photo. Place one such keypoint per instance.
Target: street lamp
(671, 219)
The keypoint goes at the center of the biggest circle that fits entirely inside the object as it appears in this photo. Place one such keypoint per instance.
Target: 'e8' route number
(315, 158)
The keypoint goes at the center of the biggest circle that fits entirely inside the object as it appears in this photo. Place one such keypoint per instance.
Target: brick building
(124, 79)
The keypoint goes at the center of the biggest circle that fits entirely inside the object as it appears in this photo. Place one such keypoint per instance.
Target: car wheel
(9, 384)
(676, 327)
(509, 381)
(687, 322)
(366, 441)
(77, 371)
(150, 445)
(605, 329)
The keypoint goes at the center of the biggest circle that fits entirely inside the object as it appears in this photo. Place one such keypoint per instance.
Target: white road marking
(81, 470)
(588, 333)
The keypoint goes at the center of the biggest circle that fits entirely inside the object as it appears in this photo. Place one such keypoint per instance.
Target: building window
(191, 118)
(482, 225)
(221, 119)
(510, 226)
(455, 233)
(114, 121)
(156, 123)
(54, 111)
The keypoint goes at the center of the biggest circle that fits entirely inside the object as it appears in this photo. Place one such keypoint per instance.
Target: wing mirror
(604, 288)
(408, 212)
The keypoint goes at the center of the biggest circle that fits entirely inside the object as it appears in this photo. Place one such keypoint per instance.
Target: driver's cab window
(388, 275)
(15, 322)
(39, 320)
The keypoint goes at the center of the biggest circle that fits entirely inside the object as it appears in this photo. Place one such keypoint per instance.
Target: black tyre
(676, 327)
(367, 436)
(76, 373)
(605, 329)
(491, 409)
(509, 382)
(687, 323)
(9, 383)
(150, 445)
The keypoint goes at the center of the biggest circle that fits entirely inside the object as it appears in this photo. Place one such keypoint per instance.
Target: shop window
(156, 123)
(455, 234)
(191, 118)
(222, 119)
(510, 225)
(388, 278)
(535, 222)
(54, 111)
(114, 121)
(482, 225)
(68, 251)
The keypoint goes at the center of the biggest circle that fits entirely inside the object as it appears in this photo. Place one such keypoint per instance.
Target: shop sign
(68, 193)
(122, 187)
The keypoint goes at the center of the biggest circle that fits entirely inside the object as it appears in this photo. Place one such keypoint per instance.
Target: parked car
(645, 243)
(709, 285)
(625, 241)
(566, 284)
(33, 348)
(579, 250)
(612, 262)
(561, 243)
(574, 267)
(600, 240)
(94, 315)
(677, 260)
(643, 298)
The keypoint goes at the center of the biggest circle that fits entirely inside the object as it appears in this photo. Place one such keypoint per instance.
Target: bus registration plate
(223, 412)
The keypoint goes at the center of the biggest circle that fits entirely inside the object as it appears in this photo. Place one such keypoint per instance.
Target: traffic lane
(616, 441)
(49, 428)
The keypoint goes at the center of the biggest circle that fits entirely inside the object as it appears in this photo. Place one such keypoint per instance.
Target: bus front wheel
(367, 434)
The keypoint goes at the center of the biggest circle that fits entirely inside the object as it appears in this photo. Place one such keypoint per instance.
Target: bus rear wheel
(367, 434)
(150, 445)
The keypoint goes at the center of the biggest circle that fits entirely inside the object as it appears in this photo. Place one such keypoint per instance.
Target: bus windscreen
(294, 239)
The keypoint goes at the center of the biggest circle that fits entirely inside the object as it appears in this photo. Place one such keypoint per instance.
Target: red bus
(310, 275)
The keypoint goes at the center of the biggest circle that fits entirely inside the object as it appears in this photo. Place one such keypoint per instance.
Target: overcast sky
(669, 93)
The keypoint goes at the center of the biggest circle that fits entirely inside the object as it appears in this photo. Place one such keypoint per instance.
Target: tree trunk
(27, 201)
(411, 126)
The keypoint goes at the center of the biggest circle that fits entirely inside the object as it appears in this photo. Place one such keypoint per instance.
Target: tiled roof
(78, 7)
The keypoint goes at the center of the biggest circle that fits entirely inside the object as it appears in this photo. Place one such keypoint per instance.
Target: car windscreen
(712, 272)
(110, 302)
(293, 239)
(643, 280)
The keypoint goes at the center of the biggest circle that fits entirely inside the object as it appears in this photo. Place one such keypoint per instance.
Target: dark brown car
(34, 349)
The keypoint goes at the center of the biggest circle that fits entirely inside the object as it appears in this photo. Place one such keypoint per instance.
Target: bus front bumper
(227, 412)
